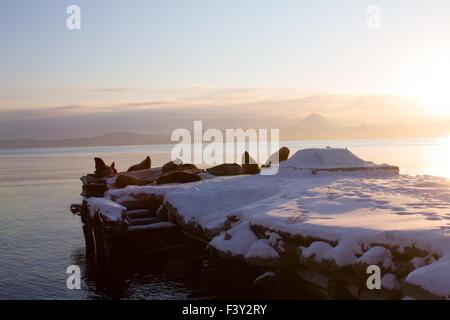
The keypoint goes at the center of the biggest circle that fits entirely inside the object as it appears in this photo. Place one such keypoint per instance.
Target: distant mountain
(316, 127)
(313, 127)
(109, 139)
(315, 120)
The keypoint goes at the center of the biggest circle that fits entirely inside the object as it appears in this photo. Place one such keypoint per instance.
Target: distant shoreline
(313, 128)
(60, 144)
(105, 140)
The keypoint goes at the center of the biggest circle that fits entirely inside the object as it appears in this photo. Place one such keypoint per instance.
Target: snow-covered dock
(323, 218)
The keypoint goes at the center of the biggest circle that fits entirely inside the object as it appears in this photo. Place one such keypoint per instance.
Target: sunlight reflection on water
(442, 157)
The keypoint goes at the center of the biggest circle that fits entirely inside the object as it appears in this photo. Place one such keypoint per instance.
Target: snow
(389, 281)
(318, 249)
(242, 238)
(379, 256)
(324, 158)
(275, 241)
(344, 253)
(358, 213)
(261, 249)
(108, 209)
(265, 275)
(434, 277)
(418, 262)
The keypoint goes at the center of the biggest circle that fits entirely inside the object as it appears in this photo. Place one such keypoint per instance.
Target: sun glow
(429, 83)
(442, 157)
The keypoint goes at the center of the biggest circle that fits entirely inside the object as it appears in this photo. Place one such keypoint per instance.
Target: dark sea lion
(190, 166)
(113, 168)
(99, 164)
(178, 177)
(249, 165)
(281, 155)
(284, 153)
(226, 169)
(146, 164)
(101, 169)
(124, 180)
(172, 165)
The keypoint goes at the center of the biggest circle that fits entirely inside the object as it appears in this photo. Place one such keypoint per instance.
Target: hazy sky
(213, 53)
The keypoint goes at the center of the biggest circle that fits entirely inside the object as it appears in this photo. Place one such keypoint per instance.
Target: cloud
(246, 107)
(108, 90)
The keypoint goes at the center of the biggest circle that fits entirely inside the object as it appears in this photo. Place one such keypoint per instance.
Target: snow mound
(109, 210)
(390, 282)
(433, 277)
(324, 158)
(261, 249)
(319, 249)
(379, 256)
(242, 238)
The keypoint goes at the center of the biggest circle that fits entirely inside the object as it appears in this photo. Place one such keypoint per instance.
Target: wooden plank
(143, 221)
(89, 240)
(315, 278)
(153, 226)
(137, 214)
(99, 240)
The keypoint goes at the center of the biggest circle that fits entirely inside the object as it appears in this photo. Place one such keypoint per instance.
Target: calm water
(39, 237)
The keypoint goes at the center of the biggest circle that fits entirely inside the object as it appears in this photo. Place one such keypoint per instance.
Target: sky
(269, 57)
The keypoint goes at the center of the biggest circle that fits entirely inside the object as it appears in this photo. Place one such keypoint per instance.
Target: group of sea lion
(103, 170)
(173, 172)
(178, 172)
(249, 165)
(124, 180)
(146, 164)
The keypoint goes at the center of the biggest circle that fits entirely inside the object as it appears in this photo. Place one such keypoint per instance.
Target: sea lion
(146, 164)
(113, 168)
(190, 166)
(101, 169)
(177, 165)
(172, 165)
(124, 180)
(226, 169)
(277, 157)
(178, 177)
(249, 165)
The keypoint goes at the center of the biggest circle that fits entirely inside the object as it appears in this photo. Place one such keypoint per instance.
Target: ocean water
(40, 238)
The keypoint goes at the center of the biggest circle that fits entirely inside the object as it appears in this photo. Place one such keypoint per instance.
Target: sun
(428, 83)
(433, 92)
